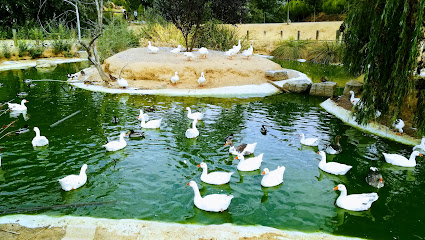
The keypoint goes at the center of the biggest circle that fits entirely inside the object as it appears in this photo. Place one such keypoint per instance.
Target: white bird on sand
(175, 78)
(122, 82)
(333, 167)
(72, 182)
(308, 141)
(402, 161)
(354, 202)
(420, 146)
(149, 124)
(399, 125)
(189, 55)
(216, 178)
(195, 115)
(39, 140)
(176, 50)
(248, 52)
(212, 202)
(272, 178)
(230, 53)
(249, 164)
(238, 47)
(353, 99)
(116, 145)
(18, 107)
(201, 79)
(151, 48)
(192, 132)
(203, 51)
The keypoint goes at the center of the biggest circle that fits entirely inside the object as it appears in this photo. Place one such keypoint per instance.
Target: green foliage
(6, 51)
(61, 46)
(23, 48)
(290, 49)
(36, 51)
(151, 15)
(298, 10)
(162, 33)
(326, 52)
(217, 36)
(116, 38)
(334, 6)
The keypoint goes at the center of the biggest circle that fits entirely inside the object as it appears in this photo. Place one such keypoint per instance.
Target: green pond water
(148, 178)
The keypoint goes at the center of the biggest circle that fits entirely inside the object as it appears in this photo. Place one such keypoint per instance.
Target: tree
(382, 42)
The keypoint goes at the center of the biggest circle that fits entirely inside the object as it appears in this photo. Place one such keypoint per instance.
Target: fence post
(337, 35)
(298, 35)
(317, 34)
(281, 34)
(247, 34)
(264, 33)
(15, 40)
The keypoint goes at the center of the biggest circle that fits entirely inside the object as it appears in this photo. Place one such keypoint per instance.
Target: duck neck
(343, 192)
(423, 142)
(23, 103)
(196, 191)
(352, 96)
(412, 157)
(302, 137)
(82, 171)
(205, 171)
(122, 138)
(37, 132)
(194, 124)
(189, 111)
(323, 158)
(143, 119)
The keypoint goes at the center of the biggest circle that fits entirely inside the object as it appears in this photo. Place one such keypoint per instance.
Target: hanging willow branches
(382, 43)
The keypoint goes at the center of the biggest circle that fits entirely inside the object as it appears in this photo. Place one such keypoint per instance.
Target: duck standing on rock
(248, 52)
(201, 79)
(122, 83)
(374, 178)
(399, 125)
(151, 48)
(203, 51)
(189, 55)
(353, 99)
(175, 78)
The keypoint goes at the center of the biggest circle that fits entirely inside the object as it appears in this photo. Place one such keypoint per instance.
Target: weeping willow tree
(382, 42)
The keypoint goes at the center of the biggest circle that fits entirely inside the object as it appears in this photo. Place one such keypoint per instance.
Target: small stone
(43, 63)
(297, 85)
(277, 75)
(323, 89)
(354, 86)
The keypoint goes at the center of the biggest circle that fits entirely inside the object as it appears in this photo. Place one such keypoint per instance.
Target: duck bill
(225, 144)
(188, 184)
(420, 154)
(263, 173)
(236, 158)
(199, 165)
(380, 180)
(336, 188)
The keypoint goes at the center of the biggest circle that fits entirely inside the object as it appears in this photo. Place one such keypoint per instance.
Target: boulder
(354, 86)
(82, 54)
(44, 63)
(277, 75)
(297, 85)
(323, 89)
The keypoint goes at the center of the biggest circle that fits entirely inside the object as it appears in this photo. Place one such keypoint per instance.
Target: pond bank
(24, 64)
(43, 227)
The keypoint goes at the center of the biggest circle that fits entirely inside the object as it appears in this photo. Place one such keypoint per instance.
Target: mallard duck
(195, 115)
(399, 125)
(353, 99)
(354, 202)
(203, 52)
(216, 178)
(38, 140)
(18, 107)
(263, 130)
(249, 164)
(272, 178)
(136, 134)
(175, 78)
(116, 145)
(420, 146)
(333, 167)
(149, 124)
(115, 120)
(210, 203)
(244, 149)
(374, 178)
(176, 50)
(72, 182)
(334, 148)
(248, 52)
(192, 132)
(402, 161)
(189, 55)
(308, 141)
(151, 48)
(201, 79)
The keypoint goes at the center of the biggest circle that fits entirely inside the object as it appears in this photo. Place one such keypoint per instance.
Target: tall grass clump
(7, 53)
(61, 46)
(291, 49)
(23, 48)
(162, 33)
(217, 36)
(116, 38)
(326, 52)
(36, 51)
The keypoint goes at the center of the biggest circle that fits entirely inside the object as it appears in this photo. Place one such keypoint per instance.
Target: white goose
(216, 178)
(249, 164)
(122, 83)
(189, 55)
(399, 125)
(151, 48)
(195, 115)
(354, 202)
(353, 99)
(18, 107)
(145, 115)
(402, 161)
(230, 53)
(116, 145)
(38, 140)
(201, 79)
(72, 182)
(333, 167)
(176, 50)
(212, 202)
(238, 47)
(244, 149)
(192, 132)
(175, 78)
(248, 52)
(149, 124)
(272, 178)
(308, 141)
(420, 146)
(203, 52)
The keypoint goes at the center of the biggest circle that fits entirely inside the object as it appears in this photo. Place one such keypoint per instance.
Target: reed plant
(162, 34)
(61, 46)
(291, 49)
(326, 52)
(7, 51)
(218, 36)
(23, 48)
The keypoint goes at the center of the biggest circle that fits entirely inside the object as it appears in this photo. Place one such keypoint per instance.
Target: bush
(334, 6)
(326, 52)
(167, 33)
(23, 48)
(7, 53)
(61, 46)
(291, 49)
(217, 36)
(36, 51)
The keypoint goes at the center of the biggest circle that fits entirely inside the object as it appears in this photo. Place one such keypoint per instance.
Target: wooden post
(298, 35)
(247, 34)
(337, 35)
(264, 33)
(317, 34)
(281, 34)
(15, 40)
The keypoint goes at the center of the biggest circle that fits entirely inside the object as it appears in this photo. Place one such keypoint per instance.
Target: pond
(148, 178)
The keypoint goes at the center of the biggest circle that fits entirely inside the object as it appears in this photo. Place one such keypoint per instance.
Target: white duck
(244, 149)
(195, 115)
(309, 141)
(18, 107)
(333, 167)
(151, 48)
(192, 132)
(420, 146)
(249, 164)
(116, 145)
(145, 115)
(354, 202)
(38, 140)
(402, 161)
(149, 124)
(212, 202)
(216, 178)
(72, 182)
(176, 50)
(272, 178)
(189, 55)
(248, 52)
(238, 47)
(203, 51)
(353, 99)
(175, 78)
(201, 79)
(230, 53)
(399, 125)
(122, 82)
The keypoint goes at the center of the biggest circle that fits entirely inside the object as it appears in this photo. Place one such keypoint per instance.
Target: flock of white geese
(220, 202)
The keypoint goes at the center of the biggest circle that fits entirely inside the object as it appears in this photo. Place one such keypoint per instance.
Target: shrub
(60, 46)
(6, 51)
(23, 48)
(326, 52)
(334, 6)
(167, 33)
(36, 51)
(290, 49)
(217, 36)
